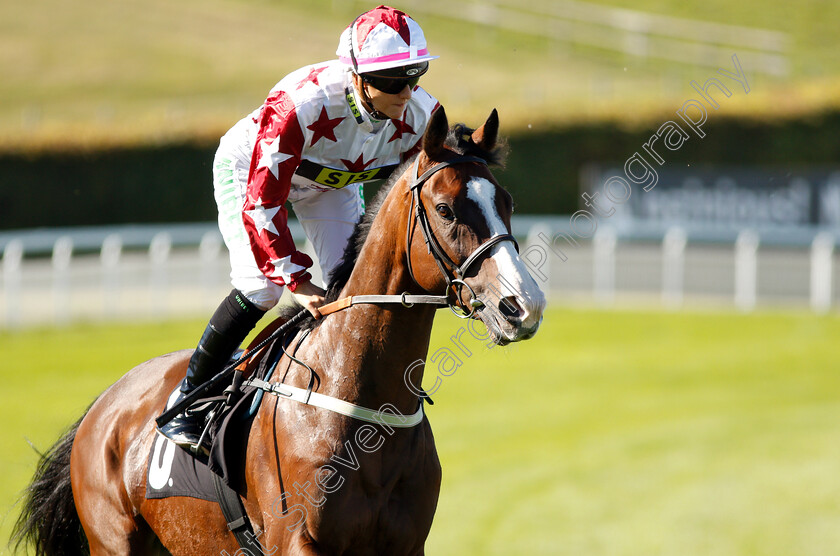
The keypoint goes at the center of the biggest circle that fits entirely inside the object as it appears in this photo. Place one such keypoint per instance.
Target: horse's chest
(389, 519)
(365, 495)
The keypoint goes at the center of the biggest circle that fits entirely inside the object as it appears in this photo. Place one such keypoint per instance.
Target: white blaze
(514, 277)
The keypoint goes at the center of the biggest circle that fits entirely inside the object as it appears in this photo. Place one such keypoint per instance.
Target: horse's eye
(445, 212)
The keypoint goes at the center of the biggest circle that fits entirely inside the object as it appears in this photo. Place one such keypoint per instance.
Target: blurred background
(682, 396)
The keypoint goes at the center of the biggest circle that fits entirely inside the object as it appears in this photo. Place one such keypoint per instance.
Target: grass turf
(610, 433)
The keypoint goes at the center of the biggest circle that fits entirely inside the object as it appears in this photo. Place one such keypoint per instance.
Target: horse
(316, 481)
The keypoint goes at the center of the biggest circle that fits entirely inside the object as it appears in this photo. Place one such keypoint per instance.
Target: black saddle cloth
(174, 471)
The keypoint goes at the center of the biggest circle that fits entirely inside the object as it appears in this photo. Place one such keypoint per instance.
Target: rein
(452, 272)
(405, 299)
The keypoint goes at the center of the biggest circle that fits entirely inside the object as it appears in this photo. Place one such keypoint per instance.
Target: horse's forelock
(460, 140)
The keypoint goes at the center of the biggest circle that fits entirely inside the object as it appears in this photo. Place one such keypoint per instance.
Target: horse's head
(459, 237)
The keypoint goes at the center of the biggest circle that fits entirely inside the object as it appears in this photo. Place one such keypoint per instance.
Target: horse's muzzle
(512, 318)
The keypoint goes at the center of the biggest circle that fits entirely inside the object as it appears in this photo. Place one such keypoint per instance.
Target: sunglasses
(391, 85)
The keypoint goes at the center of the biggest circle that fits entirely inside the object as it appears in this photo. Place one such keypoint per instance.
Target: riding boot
(228, 327)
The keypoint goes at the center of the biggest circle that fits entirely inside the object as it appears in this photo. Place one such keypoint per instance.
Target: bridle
(453, 273)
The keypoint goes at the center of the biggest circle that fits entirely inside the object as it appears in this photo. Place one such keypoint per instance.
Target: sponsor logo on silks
(351, 100)
(341, 178)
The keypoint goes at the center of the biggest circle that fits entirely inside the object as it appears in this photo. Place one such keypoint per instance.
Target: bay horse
(89, 491)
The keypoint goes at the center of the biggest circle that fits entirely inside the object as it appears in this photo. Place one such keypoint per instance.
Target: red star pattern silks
(401, 127)
(312, 77)
(302, 120)
(263, 218)
(271, 158)
(275, 157)
(324, 127)
(395, 20)
(359, 165)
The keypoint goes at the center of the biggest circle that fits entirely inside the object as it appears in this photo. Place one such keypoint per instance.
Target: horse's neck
(377, 343)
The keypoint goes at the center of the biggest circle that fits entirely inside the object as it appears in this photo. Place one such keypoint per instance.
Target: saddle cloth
(173, 471)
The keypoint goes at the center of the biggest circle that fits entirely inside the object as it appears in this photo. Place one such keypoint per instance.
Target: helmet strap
(368, 102)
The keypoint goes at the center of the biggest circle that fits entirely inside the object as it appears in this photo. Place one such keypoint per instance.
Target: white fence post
(539, 269)
(109, 257)
(673, 267)
(159, 250)
(12, 278)
(62, 254)
(822, 255)
(208, 253)
(746, 270)
(603, 265)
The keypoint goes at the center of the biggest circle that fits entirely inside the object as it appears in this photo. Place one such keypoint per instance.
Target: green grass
(611, 433)
(624, 433)
(106, 72)
(51, 376)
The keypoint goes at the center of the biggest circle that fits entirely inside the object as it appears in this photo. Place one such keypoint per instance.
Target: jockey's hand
(310, 297)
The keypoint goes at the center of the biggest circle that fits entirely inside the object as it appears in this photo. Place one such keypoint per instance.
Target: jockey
(323, 131)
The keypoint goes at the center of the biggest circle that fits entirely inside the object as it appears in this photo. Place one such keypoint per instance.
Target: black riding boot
(228, 327)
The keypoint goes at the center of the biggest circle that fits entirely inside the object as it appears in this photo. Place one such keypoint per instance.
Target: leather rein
(452, 271)
(454, 275)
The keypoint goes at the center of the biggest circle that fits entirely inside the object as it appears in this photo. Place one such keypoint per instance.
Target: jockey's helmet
(385, 42)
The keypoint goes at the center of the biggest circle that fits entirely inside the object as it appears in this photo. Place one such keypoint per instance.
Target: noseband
(452, 271)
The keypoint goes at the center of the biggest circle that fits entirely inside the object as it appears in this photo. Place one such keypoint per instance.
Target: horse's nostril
(510, 307)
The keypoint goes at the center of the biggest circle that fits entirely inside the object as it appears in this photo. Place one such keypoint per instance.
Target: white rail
(632, 32)
(61, 276)
(673, 267)
(822, 272)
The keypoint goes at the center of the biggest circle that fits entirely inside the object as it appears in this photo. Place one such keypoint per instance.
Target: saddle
(228, 415)
(229, 408)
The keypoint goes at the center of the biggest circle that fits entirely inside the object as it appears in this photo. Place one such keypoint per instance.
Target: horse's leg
(107, 541)
(110, 454)
(189, 526)
(111, 525)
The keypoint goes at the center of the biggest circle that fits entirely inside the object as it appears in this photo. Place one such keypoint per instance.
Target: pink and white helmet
(381, 39)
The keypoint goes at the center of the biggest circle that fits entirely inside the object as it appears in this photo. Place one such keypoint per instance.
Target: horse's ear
(486, 136)
(436, 133)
